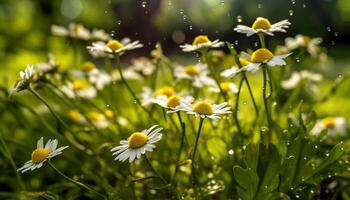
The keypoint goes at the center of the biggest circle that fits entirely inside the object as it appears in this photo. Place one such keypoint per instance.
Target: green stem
(195, 150)
(154, 170)
(7, 154)
(88, 188)
(235, 113)
(117, 61)
(262, 39)
(180, 148)
(269, 120)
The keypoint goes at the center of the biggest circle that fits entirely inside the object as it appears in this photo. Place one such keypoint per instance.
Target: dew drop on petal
(291, 12)
(144, 4)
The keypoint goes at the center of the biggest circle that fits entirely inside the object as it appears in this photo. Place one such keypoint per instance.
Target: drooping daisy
(148, 96)
(41, 154)
(137, 144)
(263, 25)
(79, 88)
(201, 42)
(204, 109)
(312, 45)
(198, 74)
(259, 57)
(303, 76)
(26, 77)
(48, 67)
(335, 126)
(113, 47)
(244, 61)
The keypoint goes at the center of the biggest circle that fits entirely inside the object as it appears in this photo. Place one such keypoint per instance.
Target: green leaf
(217, 148)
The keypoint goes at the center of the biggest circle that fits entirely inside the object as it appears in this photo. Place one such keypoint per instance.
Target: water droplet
(244, 102)
(328, 28)
(332, 42)
(335, 34)
(112, 33)
(236, 42)
(106, 11)
(119, 22)
(297, 196)
(305, 158)
(222, 2)
(293, 2)
(255, 44)
(135, 101)
(297, 59)
(181, 11)
(184, 17)
(144, 4)
(316, 146)
(304, 5)
(190, 27)
(327, 154)
(231, 151)
(108, 106)
(291, 12)
(259, 5)
(239, 19)
(169, 3)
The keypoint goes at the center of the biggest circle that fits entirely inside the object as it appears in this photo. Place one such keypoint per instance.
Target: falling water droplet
(335, 34)
(119, 22)
(236, 42)
(181, 11)
(108, 106)
(222, 2)
(297, 59)
(259, 5)
(190, 27)
(291, 12)
(328, 28)
(184, 17)
(239, 19)
(106, 11)
(304, 5)
(144, 4)
(293, 2)
(255, 44)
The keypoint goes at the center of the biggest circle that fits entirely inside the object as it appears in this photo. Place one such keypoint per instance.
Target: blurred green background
(25, 35)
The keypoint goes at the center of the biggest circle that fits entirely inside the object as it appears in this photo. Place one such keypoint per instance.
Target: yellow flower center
(109, 113)
(192, 70)
(114, 45)
(137, 140)
(261, 23)
(74, 115)
(40, 154)
(94, 116)
(203, 107)
(261, 55)
(225, 86)
(88, 66)
(79, 84)
(243, 62)
(166, 91)
(306, 39)
(173, 101)
(200, 39)
(328, 122)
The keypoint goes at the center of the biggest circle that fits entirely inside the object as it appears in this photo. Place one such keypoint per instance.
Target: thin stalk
(235, 112)
(195, 150)
(180, 149)
(269, 120)
(154, 170)
(88, 188)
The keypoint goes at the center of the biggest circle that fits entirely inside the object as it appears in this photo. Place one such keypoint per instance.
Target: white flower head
(171, 102)
(74, 31)
(204, 109)
(99, 34)
(298, 77)
(98, 119)
(259, 57)
(201, 42)
(26, 77)
(137, 144)
(198, 74)
(41, 154)
(148, 96)
(335, 126)
(113, 47)
(79, 88)
(226, 87)
(263, 25)
(143, 65)
(312, 45)
(128, 73)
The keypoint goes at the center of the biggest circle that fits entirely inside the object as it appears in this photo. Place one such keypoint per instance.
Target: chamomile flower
(263, 25)
(74, 31)
(201, 42)
(79, 88)
(98, 119)
(148, 96)
(128, 73)
(259, 57)
(76, 116)
(96, 77)
(137, 144)
(48, 67)
(41, 154)
(312, 45)
(335, 126)
(226, 87)
(198, 74)
(26, 77)
(171, 102)
(244, 61)
(204, 109)
(113, 47)
(143, 65)
(99, 35)
(305, 76)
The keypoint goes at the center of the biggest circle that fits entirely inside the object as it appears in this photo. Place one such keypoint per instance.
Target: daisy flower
(113, 47)
(226, 87)
(143, 65)
(259, 57)
(74, 31)
(47, 67)
(171, 102)
(298, 77)
(128, 73)
(79, 88)
(148, 96)
(312, 45)
(41, 154)
(335, 126)
(244, 60)
(76, 116)
(197, 74)
(201, 42)
(204, 109)
(99, 34)
(263, 25)
(98, 119)
(26, 77)
(137, 144)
